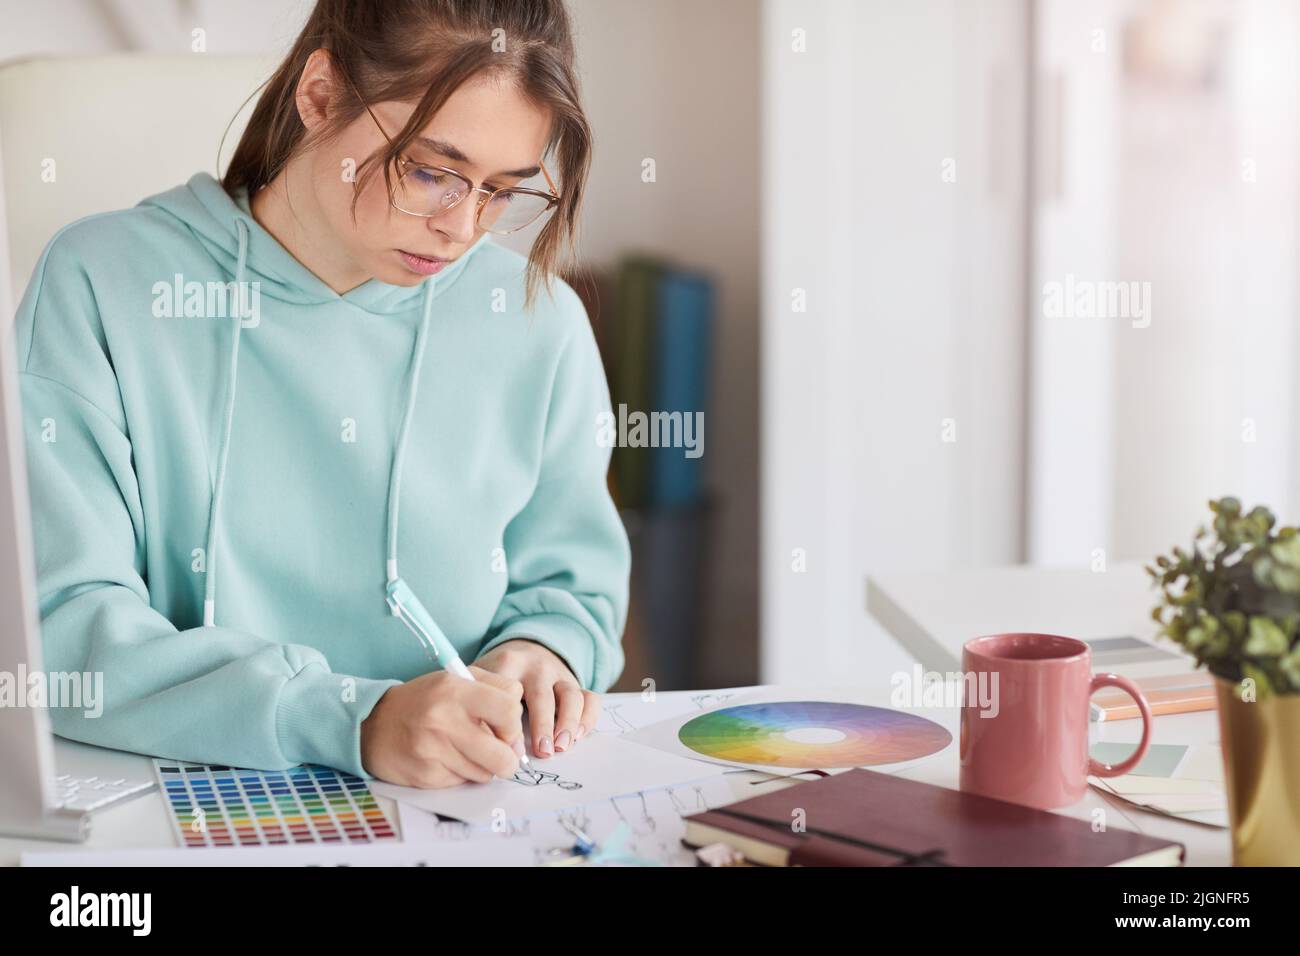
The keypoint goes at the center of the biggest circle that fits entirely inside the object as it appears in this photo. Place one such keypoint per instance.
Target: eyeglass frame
(552, 200)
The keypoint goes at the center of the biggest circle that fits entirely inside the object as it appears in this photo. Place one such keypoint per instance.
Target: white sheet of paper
(1202, 762)
(1214, 818)
(482, 850)
(655, 819)
(1210, 808)
(1180, 802)
(602, 766)
(625, 713)
(1136, 785)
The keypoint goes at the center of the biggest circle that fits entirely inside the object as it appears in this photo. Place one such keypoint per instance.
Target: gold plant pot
(1261, 763)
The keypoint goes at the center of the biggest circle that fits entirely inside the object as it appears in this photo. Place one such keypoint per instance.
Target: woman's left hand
(560, 712)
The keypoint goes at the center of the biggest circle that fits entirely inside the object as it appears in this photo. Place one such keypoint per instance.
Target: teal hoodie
(216, 480)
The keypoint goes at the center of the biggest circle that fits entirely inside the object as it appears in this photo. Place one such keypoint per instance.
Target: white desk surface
(933, 613)
(143, 822)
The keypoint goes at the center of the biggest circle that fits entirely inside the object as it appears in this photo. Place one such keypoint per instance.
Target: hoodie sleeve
(567, 552)
(208, 694)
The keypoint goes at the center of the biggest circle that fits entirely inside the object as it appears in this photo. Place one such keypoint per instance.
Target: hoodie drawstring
(210, 553)
(399, 450)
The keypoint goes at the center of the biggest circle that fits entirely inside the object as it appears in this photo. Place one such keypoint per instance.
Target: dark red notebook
(863, 818)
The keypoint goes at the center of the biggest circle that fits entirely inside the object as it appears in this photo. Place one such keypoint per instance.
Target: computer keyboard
(87, 794)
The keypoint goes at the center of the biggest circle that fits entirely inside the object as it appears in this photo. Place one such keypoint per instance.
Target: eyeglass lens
(429, 192)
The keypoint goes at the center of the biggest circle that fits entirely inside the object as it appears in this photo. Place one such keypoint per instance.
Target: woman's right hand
(430, 733)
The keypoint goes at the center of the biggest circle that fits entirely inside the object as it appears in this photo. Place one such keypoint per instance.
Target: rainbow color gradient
(812, 734)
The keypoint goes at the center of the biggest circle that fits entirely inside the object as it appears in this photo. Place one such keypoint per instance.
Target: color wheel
(812, 734)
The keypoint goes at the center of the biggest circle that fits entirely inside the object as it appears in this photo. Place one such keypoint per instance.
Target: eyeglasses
(429, 191)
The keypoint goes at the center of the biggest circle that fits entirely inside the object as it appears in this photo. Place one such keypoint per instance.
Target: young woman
(232, 391)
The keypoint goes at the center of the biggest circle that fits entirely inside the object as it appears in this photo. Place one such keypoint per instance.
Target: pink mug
(1024, 719)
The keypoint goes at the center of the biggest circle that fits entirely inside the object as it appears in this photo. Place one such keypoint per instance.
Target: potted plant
(1233, 602)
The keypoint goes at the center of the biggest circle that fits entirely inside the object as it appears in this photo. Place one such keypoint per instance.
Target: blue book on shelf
(684, 307)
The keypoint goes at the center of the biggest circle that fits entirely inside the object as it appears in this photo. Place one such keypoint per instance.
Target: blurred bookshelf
(655, 323)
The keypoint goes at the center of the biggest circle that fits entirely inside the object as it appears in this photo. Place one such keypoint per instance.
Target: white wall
(915, 298)
(1193, 186)
(1071, 389)
(64, 27)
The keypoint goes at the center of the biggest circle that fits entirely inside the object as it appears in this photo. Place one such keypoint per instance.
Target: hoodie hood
(250, 254)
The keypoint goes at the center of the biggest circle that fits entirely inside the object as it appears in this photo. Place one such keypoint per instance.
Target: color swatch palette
(228, 807)
(812, 734)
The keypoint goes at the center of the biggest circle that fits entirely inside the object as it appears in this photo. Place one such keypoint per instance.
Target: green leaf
(1286, 580)
(1286, 551)
(1290, 666)
(1266, 638)
(1261, 570)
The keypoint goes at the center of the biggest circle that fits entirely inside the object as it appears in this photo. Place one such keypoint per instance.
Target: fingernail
(562, 741)
(519, 746)
(582, 732)
(544, 746)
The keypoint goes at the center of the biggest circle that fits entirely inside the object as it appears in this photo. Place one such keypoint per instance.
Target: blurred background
(954, 283)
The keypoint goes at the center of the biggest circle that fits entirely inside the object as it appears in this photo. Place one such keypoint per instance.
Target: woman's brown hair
(425, 50)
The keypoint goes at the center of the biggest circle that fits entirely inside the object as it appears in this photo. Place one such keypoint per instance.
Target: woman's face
(485, 130)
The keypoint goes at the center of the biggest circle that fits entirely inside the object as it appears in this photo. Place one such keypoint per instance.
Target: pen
(406, 606)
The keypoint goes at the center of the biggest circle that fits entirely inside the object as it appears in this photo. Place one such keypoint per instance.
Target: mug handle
(1095, 767)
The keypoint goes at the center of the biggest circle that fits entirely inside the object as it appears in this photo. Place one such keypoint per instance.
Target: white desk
(143, 822)
(139, 823)
(932, 614)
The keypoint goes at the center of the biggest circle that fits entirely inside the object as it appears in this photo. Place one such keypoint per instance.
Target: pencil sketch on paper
(540, 778)
(615, 714)
(650, 823)
(711, 699)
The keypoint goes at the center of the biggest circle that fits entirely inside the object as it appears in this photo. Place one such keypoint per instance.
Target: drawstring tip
(209, 613)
